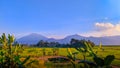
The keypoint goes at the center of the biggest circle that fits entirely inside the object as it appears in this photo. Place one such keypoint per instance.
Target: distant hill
(34, 38)
(31, 39)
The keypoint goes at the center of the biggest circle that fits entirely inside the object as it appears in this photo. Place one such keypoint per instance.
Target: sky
(59, 18)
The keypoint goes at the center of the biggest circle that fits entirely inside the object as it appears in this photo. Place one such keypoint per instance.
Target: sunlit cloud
(104, 26)
(104, 29)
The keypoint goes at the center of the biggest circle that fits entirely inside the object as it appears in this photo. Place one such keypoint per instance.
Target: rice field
(36, 53)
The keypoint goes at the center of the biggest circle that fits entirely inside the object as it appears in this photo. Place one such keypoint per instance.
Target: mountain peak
(32, 38)
(34, 34)
(75, 35)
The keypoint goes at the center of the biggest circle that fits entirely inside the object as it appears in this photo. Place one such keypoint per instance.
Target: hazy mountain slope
(31, 39)
(34, 38)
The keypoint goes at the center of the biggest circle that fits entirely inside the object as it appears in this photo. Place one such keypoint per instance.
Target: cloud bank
(105, 29)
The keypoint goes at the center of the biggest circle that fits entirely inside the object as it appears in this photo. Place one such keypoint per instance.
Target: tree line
(72, 43)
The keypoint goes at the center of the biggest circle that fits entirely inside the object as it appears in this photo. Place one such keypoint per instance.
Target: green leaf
(108, 60)
(10, 38)
(99, 61)
(31, 62)
(17, 59)
(69, 53)
(25, 60)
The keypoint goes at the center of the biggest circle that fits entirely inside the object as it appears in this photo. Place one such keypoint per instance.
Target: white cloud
(104, 29)
(104, 26)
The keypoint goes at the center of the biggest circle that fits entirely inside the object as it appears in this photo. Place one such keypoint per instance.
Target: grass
(36, 52)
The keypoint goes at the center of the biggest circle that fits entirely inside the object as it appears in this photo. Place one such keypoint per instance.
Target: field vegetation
(36, 52)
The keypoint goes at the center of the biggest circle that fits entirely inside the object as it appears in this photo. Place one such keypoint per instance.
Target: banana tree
(99, 62)
(84, 49)
(9, 54)
(104, 62)
(71, 57)
(81, 46)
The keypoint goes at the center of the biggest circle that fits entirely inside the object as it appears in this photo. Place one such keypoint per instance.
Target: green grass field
(35, 52)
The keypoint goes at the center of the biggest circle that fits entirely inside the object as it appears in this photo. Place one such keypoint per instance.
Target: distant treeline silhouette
(42, 43)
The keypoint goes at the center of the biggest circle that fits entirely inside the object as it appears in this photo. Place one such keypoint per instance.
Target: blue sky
(58, 18)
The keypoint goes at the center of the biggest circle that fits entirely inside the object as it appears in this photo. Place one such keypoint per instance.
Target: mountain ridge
(35, 38)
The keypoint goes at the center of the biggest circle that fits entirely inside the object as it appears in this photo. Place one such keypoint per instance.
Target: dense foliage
(42, 43)
(9, 54)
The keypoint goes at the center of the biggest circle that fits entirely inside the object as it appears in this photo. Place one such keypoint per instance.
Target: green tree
(80, 43)
(42, 43)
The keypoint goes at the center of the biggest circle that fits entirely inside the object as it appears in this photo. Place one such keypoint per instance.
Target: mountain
(34, 38)
(68, 38)
(107, 40)
(31, 39)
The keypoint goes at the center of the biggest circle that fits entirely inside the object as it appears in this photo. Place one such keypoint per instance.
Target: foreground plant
(104, 63)
(9, 54)
(86, 47)
(71, 57)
